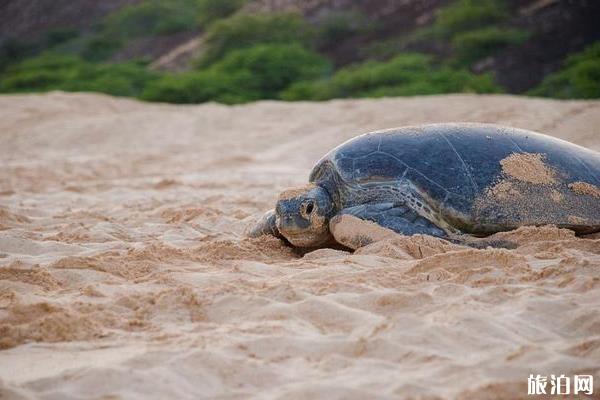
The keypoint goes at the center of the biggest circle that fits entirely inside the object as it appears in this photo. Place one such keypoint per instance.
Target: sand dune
(125, 272)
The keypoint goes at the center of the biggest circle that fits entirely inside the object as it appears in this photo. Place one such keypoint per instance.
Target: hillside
(517, 43)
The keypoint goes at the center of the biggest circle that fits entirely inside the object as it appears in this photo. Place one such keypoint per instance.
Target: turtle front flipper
(267, 225)
(358, 226)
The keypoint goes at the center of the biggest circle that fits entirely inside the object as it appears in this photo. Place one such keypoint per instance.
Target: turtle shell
(478, 178)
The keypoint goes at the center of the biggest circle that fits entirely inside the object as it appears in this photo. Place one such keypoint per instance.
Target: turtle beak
(291, 224)
(289, 218)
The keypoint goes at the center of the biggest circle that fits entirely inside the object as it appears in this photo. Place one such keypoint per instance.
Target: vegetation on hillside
(248, 57)
(52, 71)
(475, 45)
(257, 72)
(148, 18)
(244, 31)
(579, 78)
(468, 15)
(405, 75)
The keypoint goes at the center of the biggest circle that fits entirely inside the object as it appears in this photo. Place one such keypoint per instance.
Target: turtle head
(303, 215)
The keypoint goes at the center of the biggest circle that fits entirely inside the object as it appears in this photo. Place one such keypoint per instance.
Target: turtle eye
(307, 208)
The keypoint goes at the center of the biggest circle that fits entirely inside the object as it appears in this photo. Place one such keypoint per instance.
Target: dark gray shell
(456, 168)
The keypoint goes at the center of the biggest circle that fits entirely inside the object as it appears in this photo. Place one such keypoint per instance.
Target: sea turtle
(453, 181)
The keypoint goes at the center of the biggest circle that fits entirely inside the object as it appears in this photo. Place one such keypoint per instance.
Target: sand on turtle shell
(503, 190)
(528, 167)
(556, 196)
(576, 220)
(125, 272)
(584, 188)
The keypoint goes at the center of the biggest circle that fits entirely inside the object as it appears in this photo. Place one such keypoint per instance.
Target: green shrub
(100, 47)
(444, 80)
(13, 51)
(69, 73)
(242, 31)
(372, 74)
(579, 78)
(338, 26)
(309, 90)
(465, 15)
(41, 73)
(202, 86)
(151, 17)
(123, 79)
(472, 27)
(212, 10)
(258, 72)
(474, 45)
(274, 67)
(406, 74)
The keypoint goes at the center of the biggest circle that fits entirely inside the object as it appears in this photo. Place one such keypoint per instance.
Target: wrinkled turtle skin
(444, 180)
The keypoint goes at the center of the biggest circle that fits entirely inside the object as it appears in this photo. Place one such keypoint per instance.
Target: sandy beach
(125, 271)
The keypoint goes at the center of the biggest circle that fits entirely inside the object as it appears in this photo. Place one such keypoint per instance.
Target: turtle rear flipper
(358, 226)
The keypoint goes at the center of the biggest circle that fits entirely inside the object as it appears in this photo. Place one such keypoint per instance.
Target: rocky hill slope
(361, 29)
